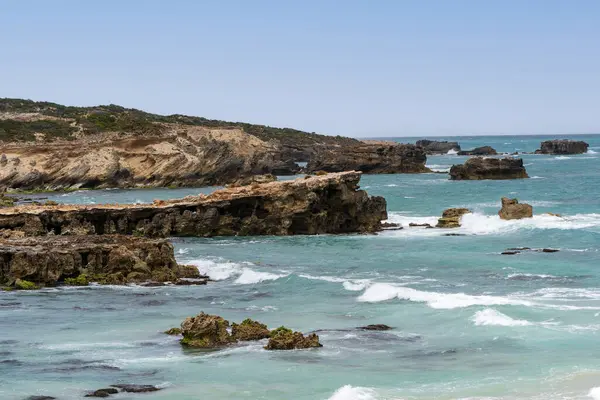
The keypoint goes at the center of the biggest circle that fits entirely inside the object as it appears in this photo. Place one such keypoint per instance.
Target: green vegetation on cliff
(106, 118)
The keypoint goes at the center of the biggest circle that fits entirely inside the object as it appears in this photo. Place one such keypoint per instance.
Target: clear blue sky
(358, 68)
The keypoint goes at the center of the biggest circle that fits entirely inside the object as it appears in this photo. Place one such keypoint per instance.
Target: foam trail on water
(379, 292)
(348, 392)
(452, 152)
(218, 270)
(489, 316)
(594, 393)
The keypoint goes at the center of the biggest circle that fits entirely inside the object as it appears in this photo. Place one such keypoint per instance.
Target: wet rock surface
(249, 330)
(479, 168)
(205, 331)
(371, 159)
(375, 327)
(331, 203)
(285, 339)
(451, 217)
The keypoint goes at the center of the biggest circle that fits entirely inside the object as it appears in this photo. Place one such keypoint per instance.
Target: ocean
(469, 323)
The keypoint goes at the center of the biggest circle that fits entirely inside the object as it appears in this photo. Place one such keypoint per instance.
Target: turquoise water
(468, 322)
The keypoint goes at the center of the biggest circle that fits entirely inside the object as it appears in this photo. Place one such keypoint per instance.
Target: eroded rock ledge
(479, 168)
(371, 158)
(331, 203)
(77, 260)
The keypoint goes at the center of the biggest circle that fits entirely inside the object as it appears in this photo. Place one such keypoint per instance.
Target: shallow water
(469, 322)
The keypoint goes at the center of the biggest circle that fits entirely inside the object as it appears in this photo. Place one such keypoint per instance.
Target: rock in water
(451, 217)
(371, 159)
(330, 203)
(107, 259)
(479, 151)
(512, 209)
(479, 168)
(129, 388)
(283, 338)
(563, 146)
(375, 327)
(437, 147)
(249, 330)
(205, 331)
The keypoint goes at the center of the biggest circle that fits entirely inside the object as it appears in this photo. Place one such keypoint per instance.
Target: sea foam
(489, 316)
(379, 292)
(348, 392)
(249, 276)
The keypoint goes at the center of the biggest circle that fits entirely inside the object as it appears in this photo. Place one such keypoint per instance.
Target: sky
(368, 68)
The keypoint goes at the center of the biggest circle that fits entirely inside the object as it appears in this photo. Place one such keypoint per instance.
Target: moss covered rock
(205, 331)
(284, 338)
(81, 280)
(22, 284)
(250, 330)
(173, 331)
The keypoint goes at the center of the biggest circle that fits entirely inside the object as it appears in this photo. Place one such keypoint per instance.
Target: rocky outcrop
(205, 331)
(212, 331)
(285, 339)
(512, 209)
(563, 146)
(249, 330)
(107, 259)
(371, 158)
(478, 168)
(253, 180)
(331, 203)
(479, 151)
(451, 217)
(178, 156)
(438, 147)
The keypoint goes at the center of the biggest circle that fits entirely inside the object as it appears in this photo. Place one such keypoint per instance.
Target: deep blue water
(468, 322)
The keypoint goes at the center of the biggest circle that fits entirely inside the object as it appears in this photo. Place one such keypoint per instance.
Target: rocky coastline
(437, 147)
(563, 146)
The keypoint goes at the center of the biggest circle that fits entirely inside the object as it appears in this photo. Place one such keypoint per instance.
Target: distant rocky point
(479, 168)
(563, 146)
(437, 147)
(479, 151)
(371, 158)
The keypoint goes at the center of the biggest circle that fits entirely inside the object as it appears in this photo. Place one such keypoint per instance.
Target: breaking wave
(348, 392)
(489, 316)
(219, 270)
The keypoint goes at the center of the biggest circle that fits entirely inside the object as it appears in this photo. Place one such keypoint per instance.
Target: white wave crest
(348, 392)
(452, 152)
(562, 158)
(249, 276)
(439, 168)
(354, 286)
(489, 316)
(384, 291)
(349, 284)
(594, 393)
(218, 269)
(591, 152)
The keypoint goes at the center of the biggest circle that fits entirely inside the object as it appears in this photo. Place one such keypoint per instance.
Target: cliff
(52, 147)
(330, 203)
(478, 168)
(371, 158)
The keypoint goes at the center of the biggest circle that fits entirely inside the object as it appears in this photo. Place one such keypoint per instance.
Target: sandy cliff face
(178, 155)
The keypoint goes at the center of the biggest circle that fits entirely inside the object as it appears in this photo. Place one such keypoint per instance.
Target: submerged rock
(371, 159)
(283, 338)
(451, 217)
(106, 392)
(40, 398)
(479, 168)
(437, 147)
(205, 331)
(130, 388)
(249, 330)
(512, 209)
(479, 151)
(173, 331)
(375, 327)
(563, 146)
(331, 203)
